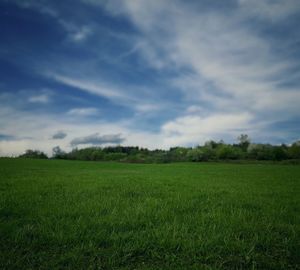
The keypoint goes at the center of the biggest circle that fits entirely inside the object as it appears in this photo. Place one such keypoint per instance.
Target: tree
(260, 151)
(228, 151)
(211, 144)
(57, 152)
(294, 150)
(195, 154)
(177, 154)
(244, 141)
(33, 154)
(279, 153)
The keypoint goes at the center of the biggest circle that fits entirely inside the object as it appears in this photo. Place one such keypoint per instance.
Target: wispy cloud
(83, 111)
(268, 9)
(205, 71)
(88, 86)
(21, 98)
(81, 34)
(139, 99)
(75, 32)
(38, 96)
(41, 6)
(44, 98)
(233, 67)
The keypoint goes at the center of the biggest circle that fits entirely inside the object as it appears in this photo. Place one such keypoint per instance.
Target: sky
(156, 74)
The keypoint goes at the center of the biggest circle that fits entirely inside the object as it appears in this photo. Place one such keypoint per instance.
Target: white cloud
(43, 98)
(41, 6)
(88, 86)
(81, 34)
(36, 129)
(139, 99)
(83, 111)
(194, 109)
(75, 32)
(222, 52)
(196, 129)
(273, 10)
(189, 129)
(148, 107)
(231, 77)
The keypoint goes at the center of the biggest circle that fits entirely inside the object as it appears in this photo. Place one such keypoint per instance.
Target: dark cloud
(96, 139)
(59, 135)
(5, 137)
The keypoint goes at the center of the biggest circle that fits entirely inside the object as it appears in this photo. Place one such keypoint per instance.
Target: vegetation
(34, 154)
(210, 151)
(58, 214)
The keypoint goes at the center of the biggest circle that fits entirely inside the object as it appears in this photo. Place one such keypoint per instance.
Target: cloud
(232, 66)
(148, 107)
(203, 72)
(274, 10)
(140, 99)
(38, 128)
(75, 32)
(196, 129)
(83, 111)
(88, 86)
(5, 137)
(97, 139)
(28, 97)
(185, 130)
(81, 34)
(41, 6)
(44, 98)
(59, 135)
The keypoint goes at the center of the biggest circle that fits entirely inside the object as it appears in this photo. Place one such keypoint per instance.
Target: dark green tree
(244, 141)
(33, 154)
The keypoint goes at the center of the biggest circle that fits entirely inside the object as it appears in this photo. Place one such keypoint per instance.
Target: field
(90, 215)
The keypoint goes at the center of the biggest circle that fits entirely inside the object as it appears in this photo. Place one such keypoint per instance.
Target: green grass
(88, 215)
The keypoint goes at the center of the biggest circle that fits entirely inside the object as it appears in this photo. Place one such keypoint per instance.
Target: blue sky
(149, 73)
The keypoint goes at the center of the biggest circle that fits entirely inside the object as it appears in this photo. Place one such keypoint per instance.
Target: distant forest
(210, 151)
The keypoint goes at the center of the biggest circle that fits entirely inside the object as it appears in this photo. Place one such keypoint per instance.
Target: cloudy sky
(156, 74)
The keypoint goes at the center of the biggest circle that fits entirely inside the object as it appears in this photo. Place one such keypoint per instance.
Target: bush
(226, 151)
(267, 152)
(200, 154)
(115, 156)
(194, 155)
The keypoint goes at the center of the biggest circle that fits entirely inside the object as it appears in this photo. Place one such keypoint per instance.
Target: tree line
(210, 151)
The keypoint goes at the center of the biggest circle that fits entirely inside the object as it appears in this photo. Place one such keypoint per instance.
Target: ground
(90, 215)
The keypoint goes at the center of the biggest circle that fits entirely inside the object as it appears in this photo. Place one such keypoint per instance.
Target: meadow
(58, 214)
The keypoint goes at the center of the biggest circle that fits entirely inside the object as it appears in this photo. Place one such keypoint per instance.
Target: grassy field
(88, 215)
